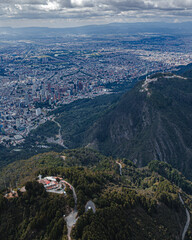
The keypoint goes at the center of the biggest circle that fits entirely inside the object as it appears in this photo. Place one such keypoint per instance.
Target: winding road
(71, 219)
(188, 219)
(181, 200)
(60, 140)
(120, 167)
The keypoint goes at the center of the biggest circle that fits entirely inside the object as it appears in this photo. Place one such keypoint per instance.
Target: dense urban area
(39, 75)
(95, 132)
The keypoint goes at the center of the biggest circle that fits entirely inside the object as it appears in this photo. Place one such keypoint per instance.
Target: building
(38, 112)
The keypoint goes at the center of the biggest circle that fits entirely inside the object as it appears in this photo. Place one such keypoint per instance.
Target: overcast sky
(62, 13)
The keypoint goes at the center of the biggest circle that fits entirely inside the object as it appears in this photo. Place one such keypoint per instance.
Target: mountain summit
(150, 122)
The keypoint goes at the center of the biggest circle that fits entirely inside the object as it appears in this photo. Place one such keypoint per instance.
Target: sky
(71, 13)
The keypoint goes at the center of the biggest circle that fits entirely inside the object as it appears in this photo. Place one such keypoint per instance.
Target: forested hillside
(150, 122)
(75, 119)
(139, 204)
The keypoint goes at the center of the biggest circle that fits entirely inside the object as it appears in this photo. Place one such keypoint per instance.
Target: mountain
(136, 203)
(75, 119)
(185, 71)
(150, 122)
(118, 28)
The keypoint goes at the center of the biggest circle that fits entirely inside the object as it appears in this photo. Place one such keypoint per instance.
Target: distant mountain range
(117, 28)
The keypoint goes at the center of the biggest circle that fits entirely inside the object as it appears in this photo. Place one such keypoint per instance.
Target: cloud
(70, 9)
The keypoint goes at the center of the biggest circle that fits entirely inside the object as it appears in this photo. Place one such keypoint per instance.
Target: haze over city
(95, 119)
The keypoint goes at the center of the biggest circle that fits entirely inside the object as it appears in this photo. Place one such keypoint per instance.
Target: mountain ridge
(150, 124)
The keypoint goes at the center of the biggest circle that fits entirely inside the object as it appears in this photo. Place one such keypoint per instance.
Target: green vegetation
(33, 215)
(48, 129)
(185, 71)
(137, 126)
(143, 203)
(144, 127)
(78, 116)
(83, 157)
(173, 175)
(32, 145)
(75, 120)
(22, 171)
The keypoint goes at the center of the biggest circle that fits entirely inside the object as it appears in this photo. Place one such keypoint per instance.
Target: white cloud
(94, 9)
(50, 6)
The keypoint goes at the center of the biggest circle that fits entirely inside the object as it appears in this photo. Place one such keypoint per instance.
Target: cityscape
(37, 76)
(95, 120)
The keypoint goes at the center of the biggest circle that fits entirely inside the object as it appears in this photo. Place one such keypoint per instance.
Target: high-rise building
(38, 112)
(80, 86)
(17, 123)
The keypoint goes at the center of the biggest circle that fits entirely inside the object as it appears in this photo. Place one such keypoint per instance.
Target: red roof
(44, 181)
(47, 181)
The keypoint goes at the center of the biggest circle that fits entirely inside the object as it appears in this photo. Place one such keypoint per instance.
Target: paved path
(71, 220)
(188, 219)
(120, 167)
(72, 217)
